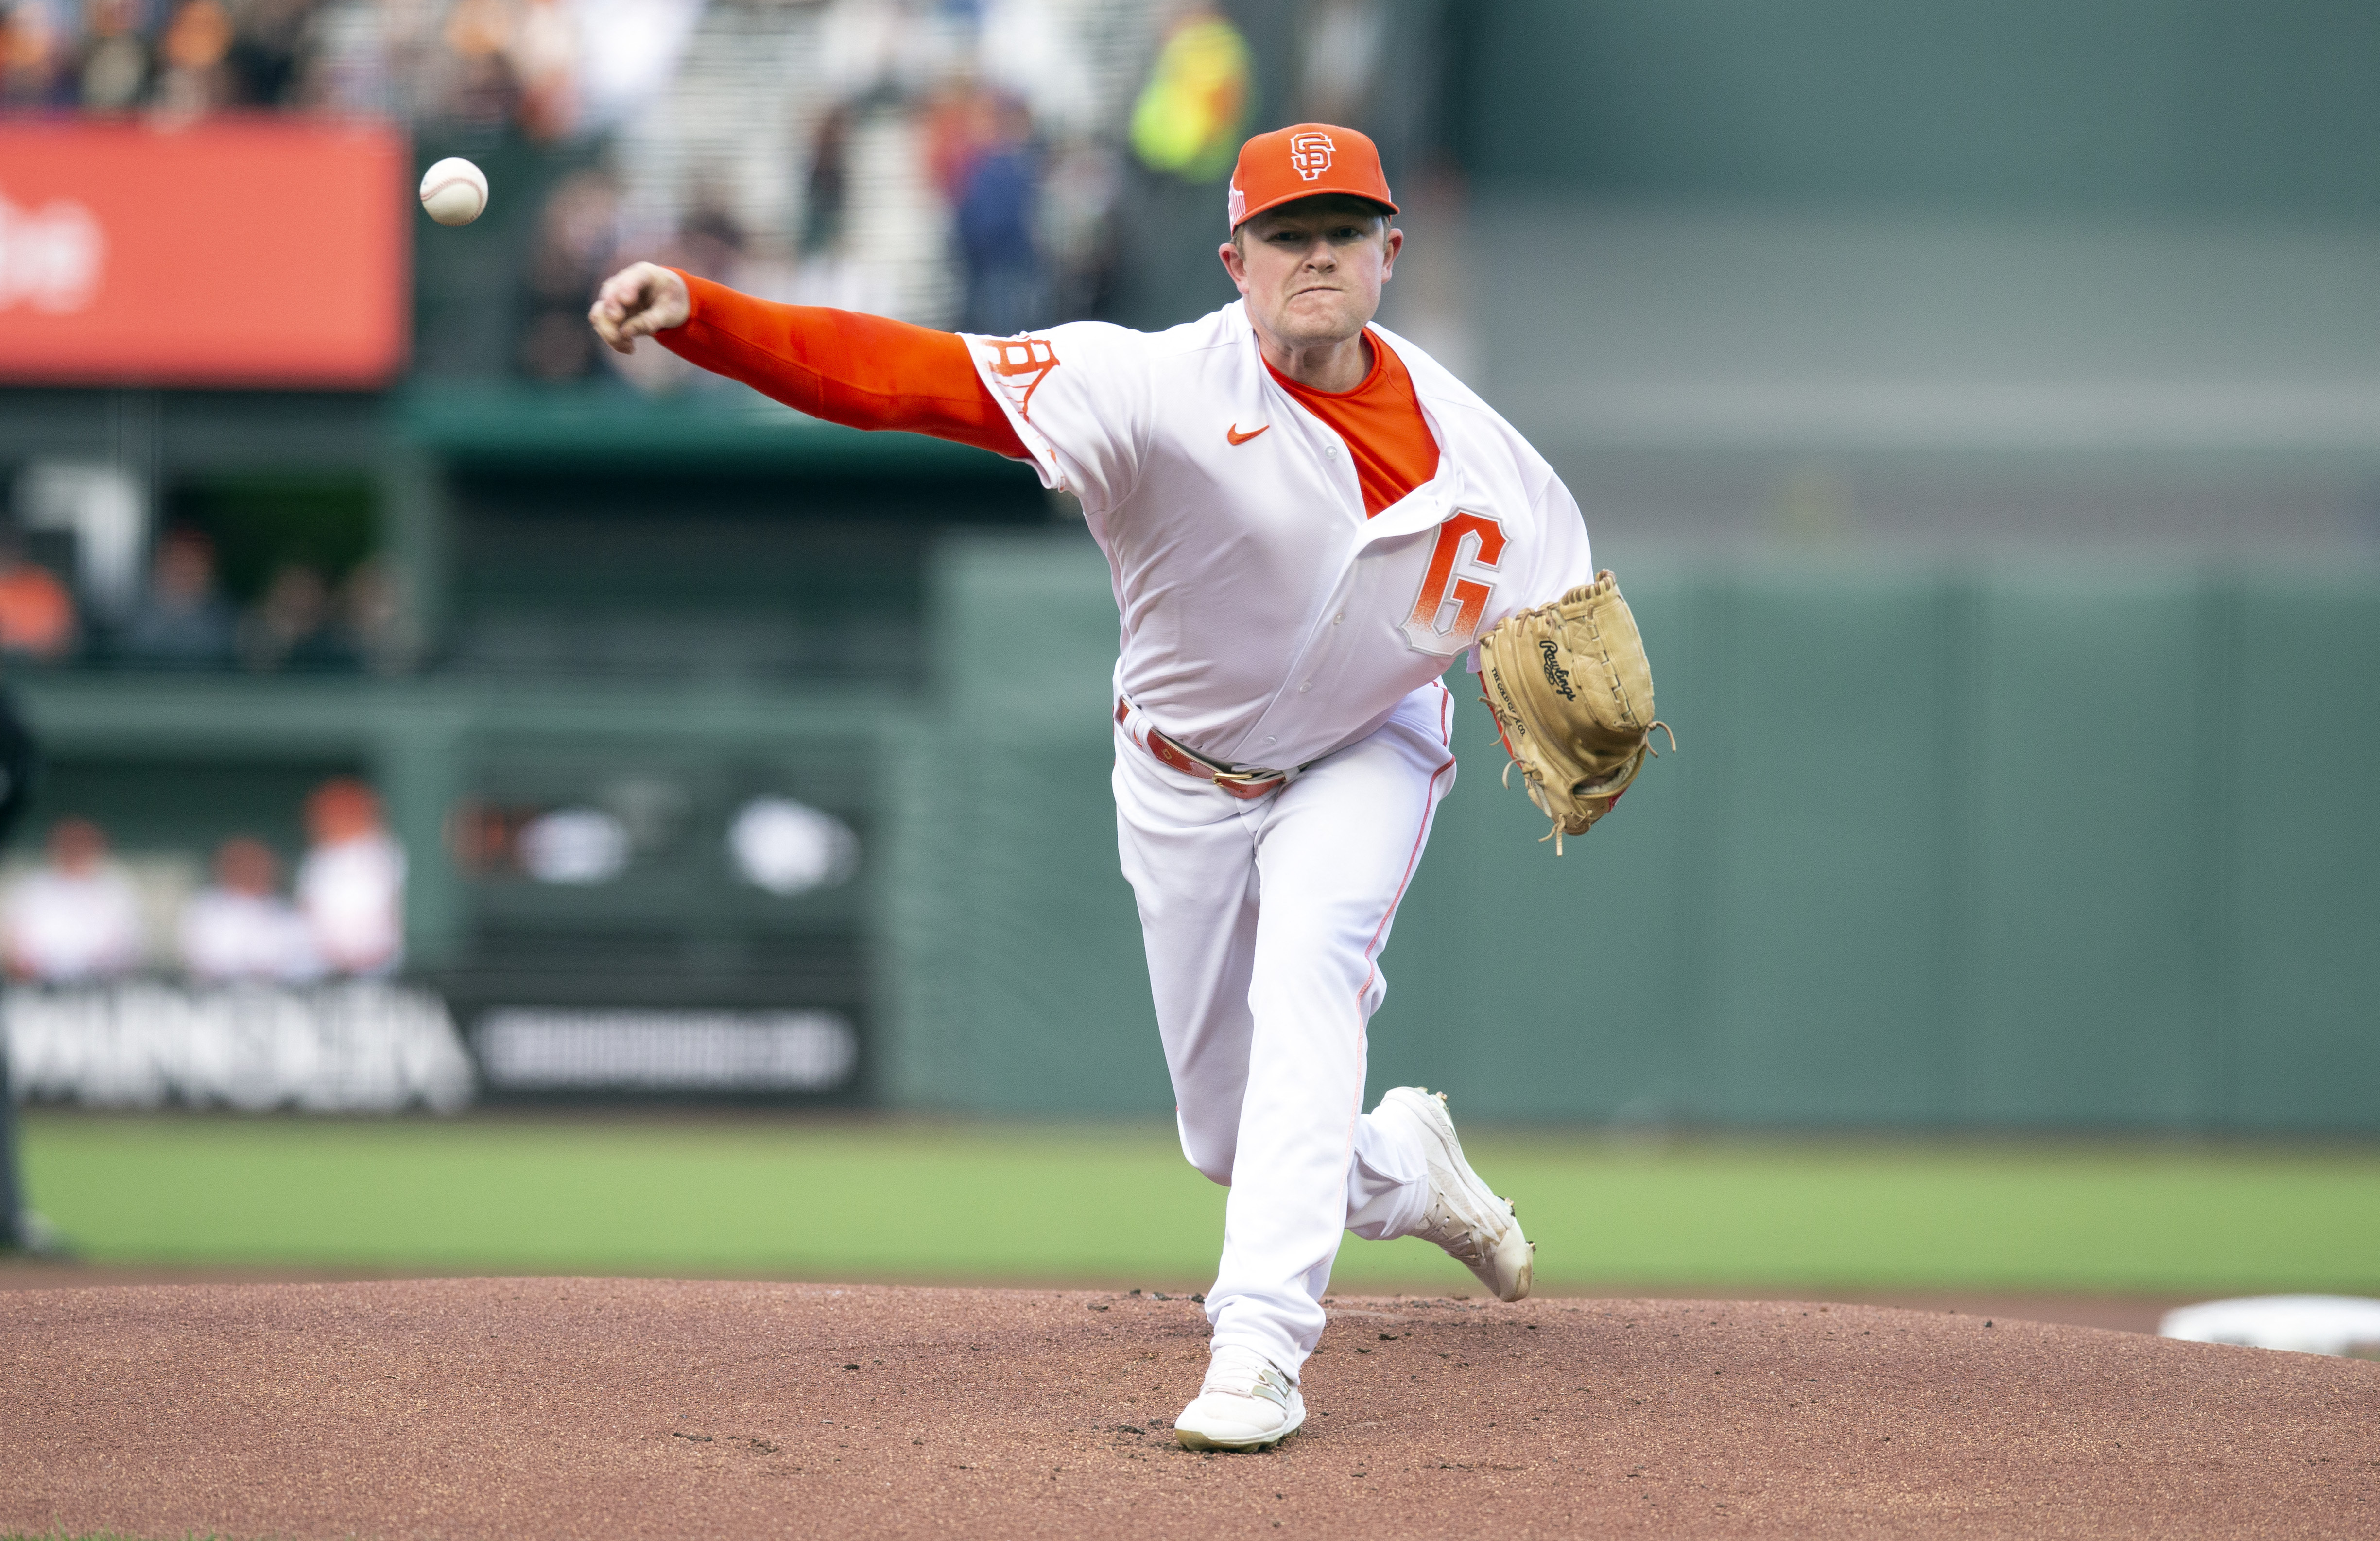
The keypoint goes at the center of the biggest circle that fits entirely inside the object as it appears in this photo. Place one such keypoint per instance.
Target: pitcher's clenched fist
(637, 301)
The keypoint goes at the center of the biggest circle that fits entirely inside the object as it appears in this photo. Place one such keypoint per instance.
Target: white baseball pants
(1264, 921)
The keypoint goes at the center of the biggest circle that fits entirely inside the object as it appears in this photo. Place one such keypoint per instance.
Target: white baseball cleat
(1476, 1229)
(1246, 1405)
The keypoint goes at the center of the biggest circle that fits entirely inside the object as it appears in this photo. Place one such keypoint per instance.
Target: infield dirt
(624, 1407)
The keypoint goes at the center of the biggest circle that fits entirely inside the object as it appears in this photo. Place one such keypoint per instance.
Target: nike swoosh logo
(1236, 436)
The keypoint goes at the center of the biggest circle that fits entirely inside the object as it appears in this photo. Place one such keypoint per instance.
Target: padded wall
(1975, 847)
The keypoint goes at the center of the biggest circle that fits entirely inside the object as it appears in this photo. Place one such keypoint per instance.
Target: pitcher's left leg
(1333, 860)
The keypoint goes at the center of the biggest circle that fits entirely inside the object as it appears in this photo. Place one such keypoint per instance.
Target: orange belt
(1245, 784)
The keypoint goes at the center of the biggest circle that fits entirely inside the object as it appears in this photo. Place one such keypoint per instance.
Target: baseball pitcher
(1307, 520)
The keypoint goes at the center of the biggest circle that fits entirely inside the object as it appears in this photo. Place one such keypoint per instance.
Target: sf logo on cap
(1310, 153)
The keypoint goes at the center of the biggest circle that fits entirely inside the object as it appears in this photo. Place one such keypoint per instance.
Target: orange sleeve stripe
(844, 366)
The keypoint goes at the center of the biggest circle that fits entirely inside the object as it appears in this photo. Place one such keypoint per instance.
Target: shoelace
(1461, 1240)
(1459, 1224)
(1244, 1372)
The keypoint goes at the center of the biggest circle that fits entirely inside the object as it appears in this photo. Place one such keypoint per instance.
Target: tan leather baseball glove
(1572, 697)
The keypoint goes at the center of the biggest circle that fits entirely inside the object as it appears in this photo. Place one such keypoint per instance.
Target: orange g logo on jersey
(1445, 618)
(1016, 357)
(1310, 153)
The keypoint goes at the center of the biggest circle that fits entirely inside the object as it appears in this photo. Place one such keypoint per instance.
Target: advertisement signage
(264, 252)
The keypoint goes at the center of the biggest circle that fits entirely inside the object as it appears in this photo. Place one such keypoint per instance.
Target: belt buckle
(1247, 785)
(1170, 752)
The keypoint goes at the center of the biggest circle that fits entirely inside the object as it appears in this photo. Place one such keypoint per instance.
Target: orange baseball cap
(1302, 161)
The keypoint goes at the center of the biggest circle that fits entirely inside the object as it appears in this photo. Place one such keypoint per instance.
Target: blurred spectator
(577, 243)
(241, 928)
(710, 240)
(1035, 50)
(184, 623)
(882, 50)
(1341, 58)
(351, 885)
(958, 127)
(828, 191)
(267, 46)
(37, 614)
(484, 92)
(544, 53)
(1188, 118)
(293, 626)
(363, 60)
(32, 53)
(548, 69)
(113, 73)
(830, 271)
(629, 51)
(196, 42)
(1078, 228)
(1007, 290)
(184, 58)
(379, 624)
(77, 918)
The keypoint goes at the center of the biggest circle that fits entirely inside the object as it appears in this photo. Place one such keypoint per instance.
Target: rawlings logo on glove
(1573, 696)
(1554, 675)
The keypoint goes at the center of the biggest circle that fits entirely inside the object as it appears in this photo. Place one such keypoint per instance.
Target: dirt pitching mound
(625, 1409)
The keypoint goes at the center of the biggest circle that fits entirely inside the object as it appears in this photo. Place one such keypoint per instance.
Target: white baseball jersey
(1266, 621)
(1269, 624)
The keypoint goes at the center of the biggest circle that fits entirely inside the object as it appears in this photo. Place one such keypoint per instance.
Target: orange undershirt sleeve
(861, 371)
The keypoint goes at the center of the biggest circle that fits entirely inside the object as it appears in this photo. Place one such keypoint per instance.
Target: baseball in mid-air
(454, 192)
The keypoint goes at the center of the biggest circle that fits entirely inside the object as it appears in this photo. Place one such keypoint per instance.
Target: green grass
(905, 1201)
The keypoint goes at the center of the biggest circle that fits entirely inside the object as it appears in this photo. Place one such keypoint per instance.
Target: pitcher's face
(1311, 271)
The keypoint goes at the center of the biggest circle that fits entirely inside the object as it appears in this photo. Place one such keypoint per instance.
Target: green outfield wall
(1976, 846)
(1987, 846)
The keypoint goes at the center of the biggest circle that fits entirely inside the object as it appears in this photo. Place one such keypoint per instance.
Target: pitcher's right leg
(1191, 860)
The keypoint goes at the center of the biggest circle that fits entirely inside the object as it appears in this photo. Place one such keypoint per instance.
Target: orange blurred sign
(250, 252)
